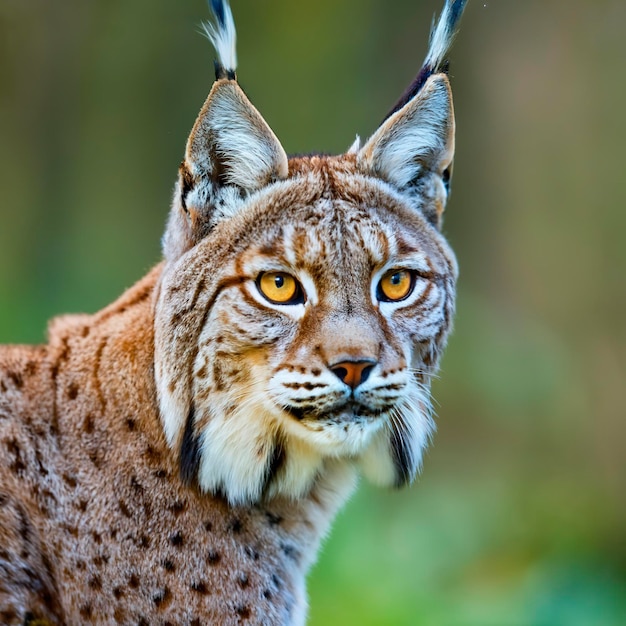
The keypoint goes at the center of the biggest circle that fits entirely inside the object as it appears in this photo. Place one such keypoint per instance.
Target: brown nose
(353, 373)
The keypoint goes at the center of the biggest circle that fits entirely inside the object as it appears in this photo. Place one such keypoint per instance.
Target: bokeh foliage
(520, 515)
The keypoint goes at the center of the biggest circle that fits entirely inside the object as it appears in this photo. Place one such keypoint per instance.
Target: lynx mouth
(349, 412)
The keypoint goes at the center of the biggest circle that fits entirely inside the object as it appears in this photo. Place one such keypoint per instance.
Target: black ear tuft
(222, 73)
(222, 34)
(441, 38)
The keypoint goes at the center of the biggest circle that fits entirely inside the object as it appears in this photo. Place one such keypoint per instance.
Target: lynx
(177, 457)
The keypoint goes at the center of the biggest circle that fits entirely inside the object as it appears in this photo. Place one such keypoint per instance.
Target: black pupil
(279, 281)
(396, 279)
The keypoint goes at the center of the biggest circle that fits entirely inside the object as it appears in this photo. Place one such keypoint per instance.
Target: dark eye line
(430, 275)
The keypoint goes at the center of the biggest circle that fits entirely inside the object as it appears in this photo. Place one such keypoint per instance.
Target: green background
(519, 516)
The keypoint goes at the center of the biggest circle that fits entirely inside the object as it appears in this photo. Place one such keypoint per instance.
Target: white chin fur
(236, 452)
(376, 462)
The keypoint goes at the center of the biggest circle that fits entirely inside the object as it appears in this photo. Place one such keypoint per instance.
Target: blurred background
(519, 518)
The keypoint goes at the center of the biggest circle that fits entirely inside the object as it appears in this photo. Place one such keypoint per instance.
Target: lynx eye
(280, 288)
(395, 285)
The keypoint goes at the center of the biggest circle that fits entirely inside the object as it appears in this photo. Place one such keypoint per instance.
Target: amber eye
(280, 288)
(395, 285)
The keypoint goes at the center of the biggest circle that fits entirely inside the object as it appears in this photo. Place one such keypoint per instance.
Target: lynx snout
(353, 372)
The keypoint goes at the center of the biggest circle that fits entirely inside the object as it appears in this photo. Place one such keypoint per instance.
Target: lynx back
(178, 456)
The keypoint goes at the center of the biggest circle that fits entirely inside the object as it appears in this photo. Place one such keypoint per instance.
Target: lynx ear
(414, 147)
(231, 151)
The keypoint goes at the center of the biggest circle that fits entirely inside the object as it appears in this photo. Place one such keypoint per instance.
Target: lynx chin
(177, 457)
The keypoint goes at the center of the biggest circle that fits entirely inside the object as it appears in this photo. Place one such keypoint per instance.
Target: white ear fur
(231, 152)
(417, 139)
(231, 141)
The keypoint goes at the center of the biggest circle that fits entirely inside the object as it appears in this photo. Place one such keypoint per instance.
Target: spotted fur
(178, 456)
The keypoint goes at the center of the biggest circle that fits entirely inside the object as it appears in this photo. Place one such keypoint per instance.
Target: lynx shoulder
(177, 457)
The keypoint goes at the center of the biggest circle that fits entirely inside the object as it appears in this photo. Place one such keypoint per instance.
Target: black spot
(176, 539)
(118, 592)
(267, 594)
(189, 459)
(199, 587)
(162, 596)
(72, 391)
(17, 466)
(243, 611)
(70, 530)
(152, 455)
(16, 379)
(243, 580)
(213, 557)
(95, 582)
(252, 553)
(177, 507)
(235, 526)
(136, 485)
(124, 508)
(131, 424)
(70, 480)
(86, 611)
(273, 519)
(94, 457)
(101, 560)
(290, 551)
(168, 566)
(208, 526)
(133, 581)
(89, 424)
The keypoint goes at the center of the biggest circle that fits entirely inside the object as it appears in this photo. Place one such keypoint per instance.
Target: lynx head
(305, 302)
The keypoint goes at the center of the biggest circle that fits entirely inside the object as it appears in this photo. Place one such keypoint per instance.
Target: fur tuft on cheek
(394, 457)
(245, 452)
(238, 452)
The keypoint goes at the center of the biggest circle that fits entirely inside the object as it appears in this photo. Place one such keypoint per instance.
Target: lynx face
(304, 302)
(314, 335)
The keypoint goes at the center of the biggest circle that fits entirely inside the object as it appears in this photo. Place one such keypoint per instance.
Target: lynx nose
(353, 373)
